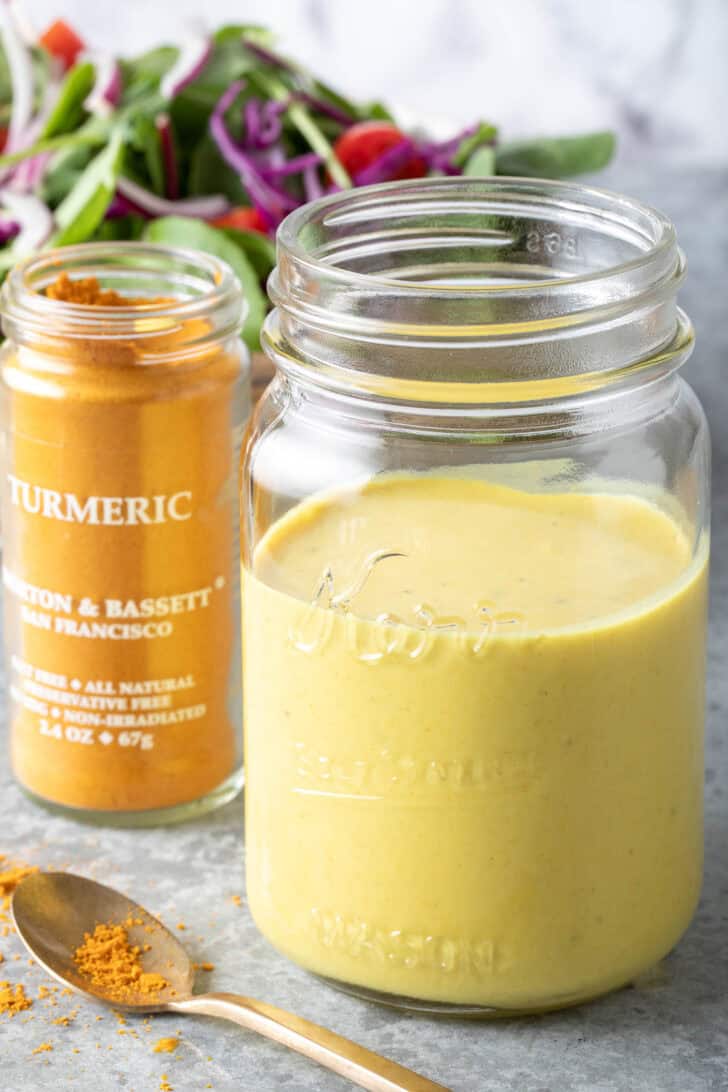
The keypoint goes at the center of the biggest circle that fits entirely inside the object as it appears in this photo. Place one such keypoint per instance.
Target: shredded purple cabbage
(272, 201)
(312, 183)
(296, 165)
(324, 107)
(267, 55)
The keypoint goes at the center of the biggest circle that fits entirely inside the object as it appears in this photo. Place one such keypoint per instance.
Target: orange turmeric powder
(166, 1046)
(10, 877)
(120, 514)
(13, 999)
(108, 960)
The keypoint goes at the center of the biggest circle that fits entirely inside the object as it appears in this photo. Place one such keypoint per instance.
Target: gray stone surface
(670, 1034)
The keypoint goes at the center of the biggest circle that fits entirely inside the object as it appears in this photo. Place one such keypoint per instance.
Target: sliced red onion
(26, 175)
(34, 218)
(150, 204)
(106, 91)
(21, 78)
(387, 164)
(118, 207)
(272, 201)
(169, 157)
(8, 230)
(23, 22)
(193, 55)
(29, 173)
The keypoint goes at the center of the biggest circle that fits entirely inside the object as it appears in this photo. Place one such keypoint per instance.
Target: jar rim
(458, 288)
(188, 285)
(371, 198)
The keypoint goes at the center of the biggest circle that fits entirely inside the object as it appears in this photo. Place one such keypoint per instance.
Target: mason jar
(475, 547)
(125, 387)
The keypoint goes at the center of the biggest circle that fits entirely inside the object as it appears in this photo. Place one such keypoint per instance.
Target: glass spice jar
(475, 545)
(125, 388)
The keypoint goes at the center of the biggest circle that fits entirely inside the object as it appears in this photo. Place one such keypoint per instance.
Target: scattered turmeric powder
(236, 900)
(166, 1046)
(64, 1021)
(13, 999)
(9, 880)
(43, 1048)
(164, 1085)
(111, 962)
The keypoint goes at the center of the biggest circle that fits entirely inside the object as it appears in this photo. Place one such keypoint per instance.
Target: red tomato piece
(3, 137)
(61, 41)
(243, 218)
(366, 141)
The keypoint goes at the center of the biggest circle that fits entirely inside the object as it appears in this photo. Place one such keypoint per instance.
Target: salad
(207, 145)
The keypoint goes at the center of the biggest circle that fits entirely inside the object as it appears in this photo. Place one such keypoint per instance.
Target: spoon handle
(361, 1066)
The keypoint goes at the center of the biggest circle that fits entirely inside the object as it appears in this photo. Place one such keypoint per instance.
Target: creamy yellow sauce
(474, 739)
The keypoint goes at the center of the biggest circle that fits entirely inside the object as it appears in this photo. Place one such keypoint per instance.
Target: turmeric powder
(13, 999)
(108, 960)
(166, 1046)
(123, 419)
(9, 880)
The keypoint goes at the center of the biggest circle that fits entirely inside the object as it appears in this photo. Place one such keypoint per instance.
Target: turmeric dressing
(122, 420)
(474, 782)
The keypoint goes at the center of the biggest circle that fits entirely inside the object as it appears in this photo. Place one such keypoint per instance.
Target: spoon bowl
(53, 911)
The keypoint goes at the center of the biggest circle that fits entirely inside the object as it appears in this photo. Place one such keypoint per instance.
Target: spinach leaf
(181, 231)
(141, 75)
(259, 249)
(481, 163)
(191, 109)
(63, 171)
(484, 135)
(68, 111)
(556, 157)
(209, 173)
(144, 140)
(235, 32)
(82, 210)
(121, 227)
(375, 111)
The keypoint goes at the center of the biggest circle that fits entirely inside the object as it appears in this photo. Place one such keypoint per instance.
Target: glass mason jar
(475, 541)
(124, 398)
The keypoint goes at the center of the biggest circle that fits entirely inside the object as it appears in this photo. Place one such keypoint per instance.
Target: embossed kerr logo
(371, 640)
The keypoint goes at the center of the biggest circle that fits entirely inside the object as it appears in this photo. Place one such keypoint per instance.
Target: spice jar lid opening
(196, 296)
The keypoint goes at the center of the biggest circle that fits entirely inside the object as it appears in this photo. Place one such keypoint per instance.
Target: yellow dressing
(473, 735)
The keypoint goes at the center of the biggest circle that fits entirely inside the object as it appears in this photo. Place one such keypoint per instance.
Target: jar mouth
(323, 234)
(171, 290)
(473, 281)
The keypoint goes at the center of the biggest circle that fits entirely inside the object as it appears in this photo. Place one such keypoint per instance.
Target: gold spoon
(53, 910)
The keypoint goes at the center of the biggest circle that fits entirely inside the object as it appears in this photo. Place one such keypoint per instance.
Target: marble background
(655, 70)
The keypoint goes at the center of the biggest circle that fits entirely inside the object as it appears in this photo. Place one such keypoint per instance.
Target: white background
(655, 70)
